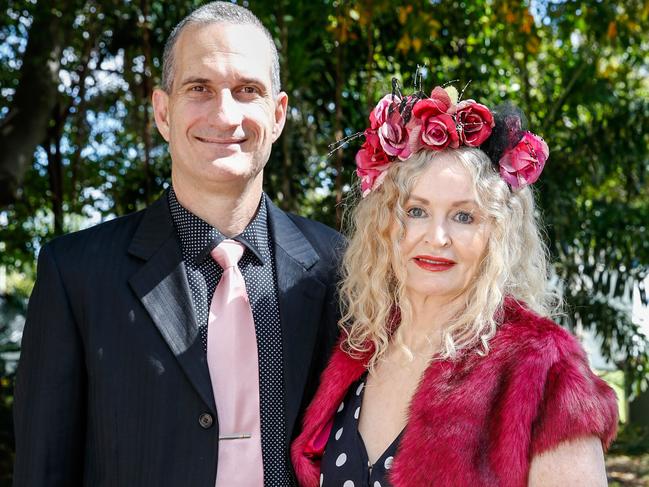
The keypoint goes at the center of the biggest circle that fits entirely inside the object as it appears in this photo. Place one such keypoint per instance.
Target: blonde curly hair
(515, 262)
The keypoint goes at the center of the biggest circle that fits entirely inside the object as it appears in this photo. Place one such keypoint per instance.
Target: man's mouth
(221, 141)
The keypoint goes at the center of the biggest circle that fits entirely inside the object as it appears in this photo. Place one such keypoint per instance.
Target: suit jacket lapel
(162, 287)
(300, 296)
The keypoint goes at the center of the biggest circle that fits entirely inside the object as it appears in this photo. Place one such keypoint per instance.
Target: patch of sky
(68, 56)
(159, 151)
(138, 64)
(97, 211)
(576, 40)
(79, 21)
(102, 135)
(13, 43)
(108, 78)
(40, 161)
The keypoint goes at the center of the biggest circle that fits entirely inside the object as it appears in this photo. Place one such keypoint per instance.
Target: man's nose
(227, 111)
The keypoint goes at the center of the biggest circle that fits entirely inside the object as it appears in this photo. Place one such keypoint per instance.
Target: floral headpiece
(401, 126)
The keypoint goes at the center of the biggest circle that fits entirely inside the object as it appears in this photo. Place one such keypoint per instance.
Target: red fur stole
(478, 420)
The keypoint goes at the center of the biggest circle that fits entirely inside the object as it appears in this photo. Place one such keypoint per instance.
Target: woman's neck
(430, 317)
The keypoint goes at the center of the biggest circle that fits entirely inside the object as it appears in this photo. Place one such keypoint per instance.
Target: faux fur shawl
(478, 420)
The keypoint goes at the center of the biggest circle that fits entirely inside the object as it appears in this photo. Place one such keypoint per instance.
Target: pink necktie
(233, 363)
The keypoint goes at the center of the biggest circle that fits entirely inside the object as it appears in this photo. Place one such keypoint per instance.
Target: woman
(449, 372)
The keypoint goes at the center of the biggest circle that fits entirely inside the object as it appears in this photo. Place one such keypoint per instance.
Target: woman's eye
(416, 212)
(463, 217)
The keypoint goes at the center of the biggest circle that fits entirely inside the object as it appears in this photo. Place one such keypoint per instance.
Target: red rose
(372, 138)
(371, 162)
(371, 155)
(523, 164)
(431, 127)
(475, 122)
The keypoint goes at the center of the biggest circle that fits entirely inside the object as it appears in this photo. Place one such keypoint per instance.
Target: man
(116, 383)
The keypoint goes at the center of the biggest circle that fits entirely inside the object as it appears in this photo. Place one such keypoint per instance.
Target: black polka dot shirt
(345, 462)
(257, 265)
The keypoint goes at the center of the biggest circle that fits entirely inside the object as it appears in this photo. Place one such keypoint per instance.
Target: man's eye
(249, 90)
(198, 89)
(463, 217)
(416, 212)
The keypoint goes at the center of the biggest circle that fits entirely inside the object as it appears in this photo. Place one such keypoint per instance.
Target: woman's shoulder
(534, 336)
(545, 364)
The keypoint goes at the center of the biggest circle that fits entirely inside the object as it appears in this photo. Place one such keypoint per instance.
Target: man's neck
(229, 210)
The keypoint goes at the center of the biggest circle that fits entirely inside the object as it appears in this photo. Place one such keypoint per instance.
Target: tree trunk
(338, 120)
(288, 198)
(370, 55)
(55, 167)
(147, 90)
(26, 124)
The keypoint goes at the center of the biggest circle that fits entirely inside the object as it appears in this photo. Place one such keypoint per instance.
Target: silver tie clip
(236, 436)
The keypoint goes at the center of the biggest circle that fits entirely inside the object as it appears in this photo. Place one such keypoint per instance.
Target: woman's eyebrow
(420, 199)
(464, 202)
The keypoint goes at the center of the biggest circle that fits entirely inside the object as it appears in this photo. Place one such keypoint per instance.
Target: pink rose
(431, 127)
(393, 136)
(523, 164)
(370, 181)
(379, 115)
(475, 122)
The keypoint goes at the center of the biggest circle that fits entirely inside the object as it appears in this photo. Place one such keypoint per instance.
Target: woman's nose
(438, 234)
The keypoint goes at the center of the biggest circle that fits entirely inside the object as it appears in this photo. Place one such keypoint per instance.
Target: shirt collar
(198, 238)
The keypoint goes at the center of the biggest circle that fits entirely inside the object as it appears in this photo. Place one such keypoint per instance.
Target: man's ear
(160, 101)
(281, 105)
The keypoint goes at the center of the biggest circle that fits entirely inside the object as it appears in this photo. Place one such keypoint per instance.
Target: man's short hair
(212, 13)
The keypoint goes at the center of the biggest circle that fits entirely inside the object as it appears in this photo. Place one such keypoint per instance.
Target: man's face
(220, 117)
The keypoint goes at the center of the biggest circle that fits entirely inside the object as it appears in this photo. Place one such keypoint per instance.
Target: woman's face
(446, 233)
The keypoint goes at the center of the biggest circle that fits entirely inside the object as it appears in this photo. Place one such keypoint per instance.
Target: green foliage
(631, 440)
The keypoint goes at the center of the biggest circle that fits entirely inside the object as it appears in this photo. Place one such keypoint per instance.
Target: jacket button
(205, 420)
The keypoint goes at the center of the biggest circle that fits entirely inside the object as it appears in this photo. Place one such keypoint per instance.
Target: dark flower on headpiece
(475, 122)
(522, 164)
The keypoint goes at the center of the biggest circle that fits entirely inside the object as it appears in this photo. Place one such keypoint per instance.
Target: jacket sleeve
(576, 403)
(50, 396)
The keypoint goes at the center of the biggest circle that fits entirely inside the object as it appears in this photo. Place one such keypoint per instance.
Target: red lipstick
(433, 263)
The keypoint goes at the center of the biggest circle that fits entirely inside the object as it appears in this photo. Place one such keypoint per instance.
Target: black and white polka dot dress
(345, 462)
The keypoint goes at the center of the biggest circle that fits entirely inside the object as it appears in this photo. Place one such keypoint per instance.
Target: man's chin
(228, 170)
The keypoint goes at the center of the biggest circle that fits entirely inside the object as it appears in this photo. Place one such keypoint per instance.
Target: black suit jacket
(113, 387)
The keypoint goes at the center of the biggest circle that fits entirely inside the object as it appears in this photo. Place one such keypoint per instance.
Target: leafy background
(78, 143)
